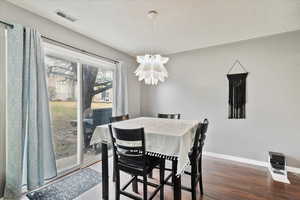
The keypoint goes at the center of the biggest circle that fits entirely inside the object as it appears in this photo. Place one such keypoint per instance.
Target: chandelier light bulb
(151, 69)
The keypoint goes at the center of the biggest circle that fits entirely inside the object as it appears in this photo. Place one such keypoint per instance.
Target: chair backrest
(196, 139)
(199, 138)
(128, 144)
(204, 127)
(119, 118)
(168, 116)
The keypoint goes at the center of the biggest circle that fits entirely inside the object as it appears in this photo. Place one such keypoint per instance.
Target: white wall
(197, 87)
(13, 14)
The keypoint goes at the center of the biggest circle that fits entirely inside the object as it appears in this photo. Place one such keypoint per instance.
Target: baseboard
(247, 161)
(293, 170)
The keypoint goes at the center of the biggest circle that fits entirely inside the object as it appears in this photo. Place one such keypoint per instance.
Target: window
(80, 98)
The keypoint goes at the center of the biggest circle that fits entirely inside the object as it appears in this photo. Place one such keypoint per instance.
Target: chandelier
(151, 66)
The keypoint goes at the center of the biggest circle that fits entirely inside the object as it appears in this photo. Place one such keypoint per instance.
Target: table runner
(168, 138)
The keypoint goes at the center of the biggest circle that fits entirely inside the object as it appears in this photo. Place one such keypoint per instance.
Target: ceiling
(182, 25)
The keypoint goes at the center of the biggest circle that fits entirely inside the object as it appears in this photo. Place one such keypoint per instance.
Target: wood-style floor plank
(227, 180)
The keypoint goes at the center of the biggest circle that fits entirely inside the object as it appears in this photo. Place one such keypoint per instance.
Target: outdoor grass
(62, 110)
(64, 134)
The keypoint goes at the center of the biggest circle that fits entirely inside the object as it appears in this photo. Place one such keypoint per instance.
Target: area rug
(69, 187)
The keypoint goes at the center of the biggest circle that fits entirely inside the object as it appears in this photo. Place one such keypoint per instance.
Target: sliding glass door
(97, 106)
(63, 99)
(80, 97)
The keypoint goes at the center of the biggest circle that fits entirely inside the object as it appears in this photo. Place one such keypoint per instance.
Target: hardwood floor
(223, 180)
(227, 180)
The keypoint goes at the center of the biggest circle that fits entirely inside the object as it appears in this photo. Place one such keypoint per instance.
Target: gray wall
(197, 87)
(11, 13)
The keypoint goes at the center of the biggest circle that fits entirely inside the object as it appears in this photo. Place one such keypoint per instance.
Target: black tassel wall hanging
(237, 93)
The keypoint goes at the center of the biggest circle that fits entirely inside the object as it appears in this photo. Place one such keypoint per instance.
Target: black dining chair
(130, 157)
(195, 157)
(118, 119)
(168, 116)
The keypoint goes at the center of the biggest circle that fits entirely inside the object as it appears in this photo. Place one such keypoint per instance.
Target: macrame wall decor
(237, 92)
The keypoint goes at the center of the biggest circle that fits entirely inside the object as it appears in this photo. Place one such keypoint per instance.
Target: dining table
(170, 139)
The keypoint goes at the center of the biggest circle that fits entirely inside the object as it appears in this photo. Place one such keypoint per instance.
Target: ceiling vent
(66, 16)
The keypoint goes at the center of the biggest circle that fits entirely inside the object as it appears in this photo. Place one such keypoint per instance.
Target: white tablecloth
(164, 137)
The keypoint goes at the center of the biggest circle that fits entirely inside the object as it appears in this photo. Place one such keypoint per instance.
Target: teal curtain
(120, 92)
(30, 154)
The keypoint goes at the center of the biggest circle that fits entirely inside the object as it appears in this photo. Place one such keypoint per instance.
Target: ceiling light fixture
(151, 66)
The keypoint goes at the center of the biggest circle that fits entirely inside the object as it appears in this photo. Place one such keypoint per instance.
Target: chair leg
(117, 184)
(200, 175)
(177, 188)
(174, 166)
(145, 190)
(114, 167)
(105, 181)
(193, 179)
(135, 188)
(176, 181)
(162, 178)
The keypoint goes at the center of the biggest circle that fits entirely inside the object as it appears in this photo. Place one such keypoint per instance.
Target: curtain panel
(120, 92)
(30, 153)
